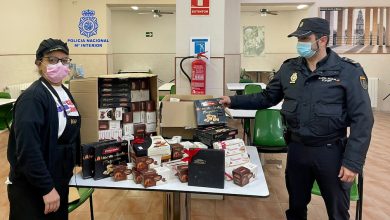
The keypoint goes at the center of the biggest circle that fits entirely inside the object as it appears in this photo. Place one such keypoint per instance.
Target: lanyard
(50, 87)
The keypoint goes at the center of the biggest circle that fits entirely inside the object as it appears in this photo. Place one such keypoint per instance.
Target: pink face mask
(56, 72)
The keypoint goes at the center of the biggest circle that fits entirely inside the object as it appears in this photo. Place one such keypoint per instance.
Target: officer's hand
(346, 175)
(225, 101)
(51, 201)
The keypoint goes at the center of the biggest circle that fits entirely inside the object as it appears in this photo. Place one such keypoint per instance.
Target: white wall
(278, 46)
(24, 24)
(132, 50)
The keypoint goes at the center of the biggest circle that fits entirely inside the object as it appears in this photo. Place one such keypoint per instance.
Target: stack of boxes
(124, 104)
(116, 106)
(237, 162)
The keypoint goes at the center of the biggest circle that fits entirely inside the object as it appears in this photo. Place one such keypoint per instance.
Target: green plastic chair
(250, 89)
(85, 193)
(268, 134)
(5, 112)
(356, 194)
(173, 90)
(243, 80)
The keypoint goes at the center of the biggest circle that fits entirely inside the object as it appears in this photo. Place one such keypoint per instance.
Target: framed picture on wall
(253, 40)
(358, 29)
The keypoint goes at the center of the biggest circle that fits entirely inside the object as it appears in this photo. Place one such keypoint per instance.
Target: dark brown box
(103, 125)
(142, 163)
(176, 151)
(182, 173)
(241, 176)
(107, 155)
(136, 175)
(127, 117)
(120, 172)
(150, 178)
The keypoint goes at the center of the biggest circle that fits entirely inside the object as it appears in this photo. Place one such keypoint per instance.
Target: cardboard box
(86, 94)
(183, 121)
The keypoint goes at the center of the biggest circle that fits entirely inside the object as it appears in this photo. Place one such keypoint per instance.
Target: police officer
(322, 95)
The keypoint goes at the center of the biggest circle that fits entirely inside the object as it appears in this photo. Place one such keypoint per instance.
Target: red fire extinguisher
(198, 77)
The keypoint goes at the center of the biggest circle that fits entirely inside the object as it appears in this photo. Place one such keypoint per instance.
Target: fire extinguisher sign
(200, 7)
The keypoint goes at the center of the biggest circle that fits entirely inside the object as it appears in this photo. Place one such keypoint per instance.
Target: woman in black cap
(44, 139)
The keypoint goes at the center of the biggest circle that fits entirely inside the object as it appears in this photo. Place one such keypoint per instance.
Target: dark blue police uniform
(318, 108)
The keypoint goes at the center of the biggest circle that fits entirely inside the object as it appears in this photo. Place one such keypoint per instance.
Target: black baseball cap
(50, 45)
(309, 26)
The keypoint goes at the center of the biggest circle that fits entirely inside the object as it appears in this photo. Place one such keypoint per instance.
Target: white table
(258, 72)
(241, 86)
(177, 194)
(166, 87)
(6, 101)
(241, 114)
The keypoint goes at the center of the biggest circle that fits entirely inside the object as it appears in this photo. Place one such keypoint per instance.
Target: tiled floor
(116, 204)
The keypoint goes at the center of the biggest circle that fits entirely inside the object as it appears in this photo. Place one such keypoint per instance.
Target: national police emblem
(293, 78)
(88, 24)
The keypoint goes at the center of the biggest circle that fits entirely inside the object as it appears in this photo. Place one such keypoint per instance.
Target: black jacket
(320, 105)
(33, 138)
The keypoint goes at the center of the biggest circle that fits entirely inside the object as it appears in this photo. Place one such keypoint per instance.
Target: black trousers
(322, 163)
(26, 203)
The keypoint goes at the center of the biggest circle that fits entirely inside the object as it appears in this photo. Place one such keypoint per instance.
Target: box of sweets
(207, 168)
(209, 112)
(107, 155)
(231, 147)
(244, 174)
(90, 93)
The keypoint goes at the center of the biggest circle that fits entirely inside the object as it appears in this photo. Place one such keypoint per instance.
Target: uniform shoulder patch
(363, 82)
(353, 62)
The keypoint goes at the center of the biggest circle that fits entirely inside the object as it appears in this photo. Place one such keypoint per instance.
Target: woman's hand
(52, 201)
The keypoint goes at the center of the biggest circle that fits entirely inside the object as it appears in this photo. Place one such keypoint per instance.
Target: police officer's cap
(50, 45)
(309, 26)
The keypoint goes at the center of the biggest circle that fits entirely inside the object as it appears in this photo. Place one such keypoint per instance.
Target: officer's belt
(317, 142)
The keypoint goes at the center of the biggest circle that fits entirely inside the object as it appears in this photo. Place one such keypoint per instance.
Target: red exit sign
(200, 7)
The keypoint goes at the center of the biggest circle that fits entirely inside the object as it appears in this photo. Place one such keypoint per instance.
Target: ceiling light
(263, 14)
(156, 15)
(135, 8)
(301, 6)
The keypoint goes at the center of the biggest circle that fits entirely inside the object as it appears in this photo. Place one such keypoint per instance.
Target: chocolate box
(110, 114)
(231, 147)
(141, 163)
(229, 171)
(244, 174)
(120, 172)
(127, 117)
(151, 178)
(176, 151)
(209, 112)
(141, 145)
(159, 147)
(209, 142)
(87, 160)
(182, 173)
(107, 155)
(207, 169)
(136, 175)
(218, 133)
(236, 160)
(172, 166)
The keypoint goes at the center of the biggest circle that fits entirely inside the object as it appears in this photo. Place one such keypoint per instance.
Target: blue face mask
(304, 49)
